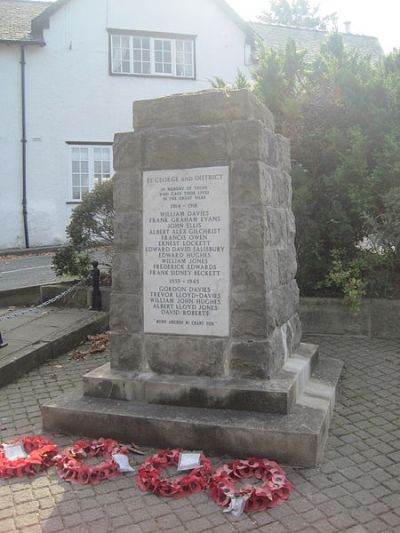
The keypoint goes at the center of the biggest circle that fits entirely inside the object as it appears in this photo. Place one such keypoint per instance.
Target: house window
(146, 55)
(141, 55)
(90, 165)
(184, 58)
(101, 164)
(121, 53)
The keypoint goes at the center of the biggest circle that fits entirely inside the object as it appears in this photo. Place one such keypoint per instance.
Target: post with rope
(2, 343)
(96, 293)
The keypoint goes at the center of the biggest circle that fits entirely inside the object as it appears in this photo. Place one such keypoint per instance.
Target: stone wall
(377, 319)
(198, 130)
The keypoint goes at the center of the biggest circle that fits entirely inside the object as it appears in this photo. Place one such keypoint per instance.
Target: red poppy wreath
(70, 465)
(149, 475)
(30, 455)
(274, 490)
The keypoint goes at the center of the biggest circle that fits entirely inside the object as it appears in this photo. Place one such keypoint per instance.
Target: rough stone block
(271, 268)
(281, 304)
(276, 233)
(128, 191)
(126, 313)
(249, 141)
(287, 189)
(277, 350)
(280, 153)
(248, 314)
(248, 270)
(250, 359)
(268, 189)
(287, 264)
(291, 226)
(246, 184)
(247, 227)
(186, 356)
(128, 230)
(126, 351)
(294, 333)
(207, 107)
(127, 272)
(127, 151)
(185, 147)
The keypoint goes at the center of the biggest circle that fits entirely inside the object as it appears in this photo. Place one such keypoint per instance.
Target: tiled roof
(308, 39)
(16, 18)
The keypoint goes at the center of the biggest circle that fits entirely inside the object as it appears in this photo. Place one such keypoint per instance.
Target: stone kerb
(208, 130)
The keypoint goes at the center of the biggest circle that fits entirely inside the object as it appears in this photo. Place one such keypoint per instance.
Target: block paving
(356, 489)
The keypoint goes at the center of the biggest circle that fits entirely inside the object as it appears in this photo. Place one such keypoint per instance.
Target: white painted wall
(72, 97)
(11, 225)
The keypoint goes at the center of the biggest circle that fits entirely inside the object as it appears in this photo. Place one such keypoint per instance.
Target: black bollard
(2, 344)
(96, 293)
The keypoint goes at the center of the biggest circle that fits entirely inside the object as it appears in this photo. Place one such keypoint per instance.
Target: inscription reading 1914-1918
(186, 251)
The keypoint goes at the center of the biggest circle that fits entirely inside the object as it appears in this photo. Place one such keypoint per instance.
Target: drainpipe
(24, 141)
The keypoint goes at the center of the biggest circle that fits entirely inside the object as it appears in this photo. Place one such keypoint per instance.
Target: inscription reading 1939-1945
(186, 251)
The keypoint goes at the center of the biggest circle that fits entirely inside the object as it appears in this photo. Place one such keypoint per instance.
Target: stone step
(297, 438)
(277, 395)
(321, 389)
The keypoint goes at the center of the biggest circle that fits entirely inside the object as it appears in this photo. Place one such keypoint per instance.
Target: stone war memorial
(206, 348)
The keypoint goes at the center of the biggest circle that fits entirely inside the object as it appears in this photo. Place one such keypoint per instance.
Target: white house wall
(72, 97)
(11, 225)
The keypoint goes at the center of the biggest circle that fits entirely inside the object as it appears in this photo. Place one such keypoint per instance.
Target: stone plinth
(204, 308)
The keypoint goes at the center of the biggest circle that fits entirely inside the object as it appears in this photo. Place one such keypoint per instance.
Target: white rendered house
(70, 71)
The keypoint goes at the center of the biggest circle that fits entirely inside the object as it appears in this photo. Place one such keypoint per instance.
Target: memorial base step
(277, 395)
(297, 439)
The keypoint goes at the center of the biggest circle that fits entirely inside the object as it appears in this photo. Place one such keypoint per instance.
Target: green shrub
(90, 229)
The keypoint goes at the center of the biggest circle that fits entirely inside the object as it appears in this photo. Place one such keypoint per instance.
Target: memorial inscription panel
(186, 251)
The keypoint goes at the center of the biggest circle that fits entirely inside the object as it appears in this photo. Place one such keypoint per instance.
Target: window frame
(153, 36)
(92, 181)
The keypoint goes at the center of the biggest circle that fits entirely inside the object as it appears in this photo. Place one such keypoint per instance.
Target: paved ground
(357, 488)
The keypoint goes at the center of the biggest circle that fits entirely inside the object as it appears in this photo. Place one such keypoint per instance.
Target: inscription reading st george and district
(186, 251)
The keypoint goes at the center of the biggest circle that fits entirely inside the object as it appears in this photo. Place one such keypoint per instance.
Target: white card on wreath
(236, 506)
(13, 452)
(122, 462)
(188, 461)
